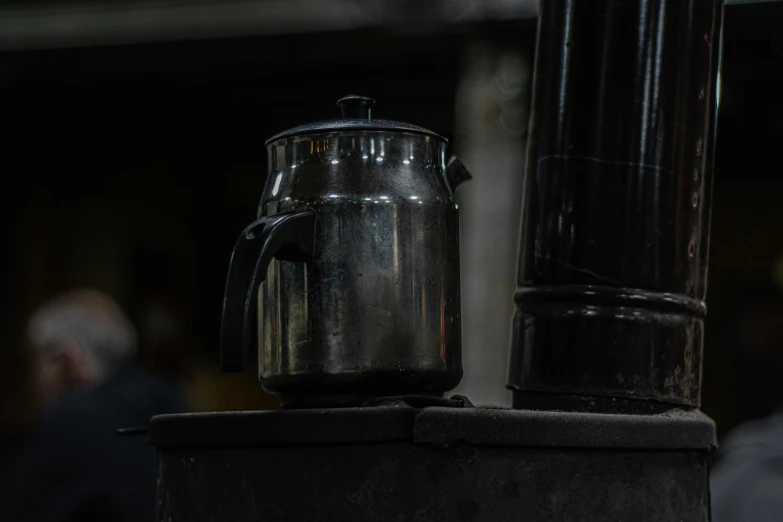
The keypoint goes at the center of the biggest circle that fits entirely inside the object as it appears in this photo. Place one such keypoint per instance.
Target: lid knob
(356, 107)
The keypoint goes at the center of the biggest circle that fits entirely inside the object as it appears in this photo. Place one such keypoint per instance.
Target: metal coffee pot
(356, 255)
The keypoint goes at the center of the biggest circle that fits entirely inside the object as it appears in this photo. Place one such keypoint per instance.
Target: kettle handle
(288, 237)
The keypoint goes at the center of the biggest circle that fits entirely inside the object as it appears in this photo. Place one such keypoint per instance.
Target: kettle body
(371, 305)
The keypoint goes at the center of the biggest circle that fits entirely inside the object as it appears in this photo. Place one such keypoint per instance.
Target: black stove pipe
(616, 206)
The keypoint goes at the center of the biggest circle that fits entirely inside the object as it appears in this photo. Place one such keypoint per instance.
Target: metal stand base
(393, 462)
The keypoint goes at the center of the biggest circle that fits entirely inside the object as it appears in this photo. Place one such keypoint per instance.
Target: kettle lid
(357, 115)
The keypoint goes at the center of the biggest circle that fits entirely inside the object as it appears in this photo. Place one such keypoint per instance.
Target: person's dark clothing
(747, 483)
(76, 468)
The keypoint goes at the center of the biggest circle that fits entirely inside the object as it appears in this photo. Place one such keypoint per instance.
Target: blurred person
(747, 484)
(747, 481)
(78, 340)
(75, 467)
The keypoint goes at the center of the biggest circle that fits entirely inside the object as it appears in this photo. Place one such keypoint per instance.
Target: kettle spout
(456, 173)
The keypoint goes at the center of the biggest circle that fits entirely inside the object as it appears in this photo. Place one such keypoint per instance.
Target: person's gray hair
(90, 318)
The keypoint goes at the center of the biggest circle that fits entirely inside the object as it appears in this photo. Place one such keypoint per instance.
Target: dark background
(132, 167)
